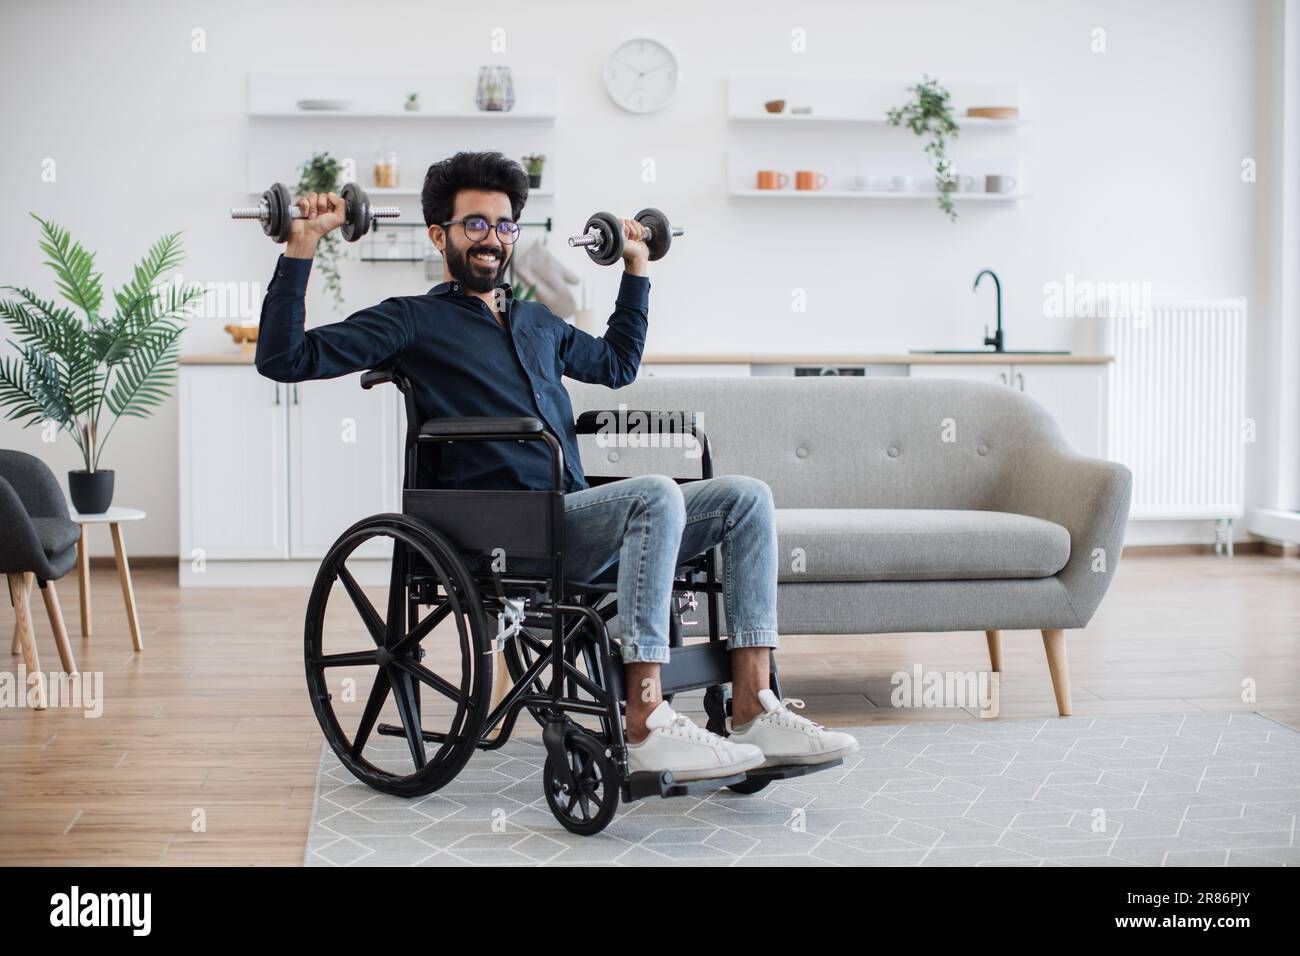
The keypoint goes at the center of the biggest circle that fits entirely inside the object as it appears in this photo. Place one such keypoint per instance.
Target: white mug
(871, 184)
(900, 184)
(996, 183)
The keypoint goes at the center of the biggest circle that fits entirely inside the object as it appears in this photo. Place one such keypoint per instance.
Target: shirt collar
(452, 287)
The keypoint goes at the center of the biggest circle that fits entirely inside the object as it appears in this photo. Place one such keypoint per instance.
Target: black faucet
(996, 340)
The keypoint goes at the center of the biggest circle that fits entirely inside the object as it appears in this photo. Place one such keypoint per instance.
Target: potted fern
(84, 370)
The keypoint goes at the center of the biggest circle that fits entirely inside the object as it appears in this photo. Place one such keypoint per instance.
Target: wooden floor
(207, 749)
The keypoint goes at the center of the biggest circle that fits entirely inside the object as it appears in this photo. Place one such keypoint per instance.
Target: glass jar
(387, 169)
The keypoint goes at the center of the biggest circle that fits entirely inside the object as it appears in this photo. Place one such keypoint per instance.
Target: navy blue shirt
(460, 361)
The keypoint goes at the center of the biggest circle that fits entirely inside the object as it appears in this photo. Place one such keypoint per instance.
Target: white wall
(1134, 158)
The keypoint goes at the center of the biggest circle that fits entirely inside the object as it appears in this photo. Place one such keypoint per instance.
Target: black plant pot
(534, 180)
(92, 491)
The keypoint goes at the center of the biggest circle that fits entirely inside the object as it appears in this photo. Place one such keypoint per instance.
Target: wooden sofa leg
(995, 650)
(27, 638)
(1058, 665)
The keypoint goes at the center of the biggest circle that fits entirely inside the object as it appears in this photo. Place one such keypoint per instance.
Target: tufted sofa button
(612, 456)
(801, 452)
(893, 451)
(983, 449)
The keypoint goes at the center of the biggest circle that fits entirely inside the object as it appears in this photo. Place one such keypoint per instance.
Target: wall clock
(640, 76)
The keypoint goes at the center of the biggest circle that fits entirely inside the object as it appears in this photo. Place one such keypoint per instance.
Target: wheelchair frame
(438, 530)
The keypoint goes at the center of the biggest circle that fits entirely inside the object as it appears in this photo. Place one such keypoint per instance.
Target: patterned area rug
(1208, 789)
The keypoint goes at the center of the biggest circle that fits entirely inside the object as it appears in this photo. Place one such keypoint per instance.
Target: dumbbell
(277, 211)
(602, 236)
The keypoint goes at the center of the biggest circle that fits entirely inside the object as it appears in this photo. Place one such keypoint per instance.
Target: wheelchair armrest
(622, 421)
(479, 425)
(381, 376)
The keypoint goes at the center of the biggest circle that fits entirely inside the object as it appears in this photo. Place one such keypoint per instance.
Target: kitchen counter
(977, 358)
(972, 358)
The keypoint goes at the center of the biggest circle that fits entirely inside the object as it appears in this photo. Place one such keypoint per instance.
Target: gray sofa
(902, 504)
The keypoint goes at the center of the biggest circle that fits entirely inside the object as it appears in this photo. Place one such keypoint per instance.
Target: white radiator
(1177, 408)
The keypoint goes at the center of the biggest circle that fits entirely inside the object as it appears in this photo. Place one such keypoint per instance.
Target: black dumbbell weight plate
(610, 228)
(661, 232)
(358, 212)
(278, 205)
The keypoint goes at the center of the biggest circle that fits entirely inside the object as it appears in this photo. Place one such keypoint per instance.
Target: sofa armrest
(1089, 497)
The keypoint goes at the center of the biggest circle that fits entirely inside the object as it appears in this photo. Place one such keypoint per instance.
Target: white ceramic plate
(323, 104)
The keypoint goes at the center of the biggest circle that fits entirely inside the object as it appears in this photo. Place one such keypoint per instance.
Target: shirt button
(537, 395)
(983, 449)
(893, 452)
(801, 452)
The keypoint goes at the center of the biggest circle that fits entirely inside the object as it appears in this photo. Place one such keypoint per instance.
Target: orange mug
(807, 179)
(771, 179)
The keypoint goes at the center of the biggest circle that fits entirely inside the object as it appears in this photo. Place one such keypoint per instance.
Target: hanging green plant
(320, 174)
(929, 116)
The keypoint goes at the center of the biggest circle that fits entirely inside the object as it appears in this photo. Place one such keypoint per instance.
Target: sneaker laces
(784, 717)
(682, 726)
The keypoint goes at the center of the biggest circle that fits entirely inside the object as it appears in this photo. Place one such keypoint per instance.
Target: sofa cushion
(900, 544)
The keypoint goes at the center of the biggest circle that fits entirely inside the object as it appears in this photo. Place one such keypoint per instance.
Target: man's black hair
(487, 171)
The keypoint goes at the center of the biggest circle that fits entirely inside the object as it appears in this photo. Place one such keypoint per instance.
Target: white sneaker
(786, 738)
(678, 744)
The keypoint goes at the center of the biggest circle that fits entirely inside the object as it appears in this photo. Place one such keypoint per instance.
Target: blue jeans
(650, 525)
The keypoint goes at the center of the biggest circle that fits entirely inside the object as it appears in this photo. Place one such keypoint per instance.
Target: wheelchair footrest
(791, 770)
(647, 783)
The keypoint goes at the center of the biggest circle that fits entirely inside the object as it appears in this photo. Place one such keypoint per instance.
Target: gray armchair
(39, 546)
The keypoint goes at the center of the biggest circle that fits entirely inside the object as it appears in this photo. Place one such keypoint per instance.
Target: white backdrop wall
(1134, 162)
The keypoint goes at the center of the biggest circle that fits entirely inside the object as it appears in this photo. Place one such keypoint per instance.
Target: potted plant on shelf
(320, 174)
(534, 166)
(929, 115)
(412, 103)
(80, 369)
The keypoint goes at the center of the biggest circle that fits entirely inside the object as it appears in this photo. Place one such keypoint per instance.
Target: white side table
(113, 517)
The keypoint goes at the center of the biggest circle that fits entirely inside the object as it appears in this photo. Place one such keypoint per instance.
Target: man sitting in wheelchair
(468, 349)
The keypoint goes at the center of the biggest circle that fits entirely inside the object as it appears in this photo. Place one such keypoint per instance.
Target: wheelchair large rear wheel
(366, 664)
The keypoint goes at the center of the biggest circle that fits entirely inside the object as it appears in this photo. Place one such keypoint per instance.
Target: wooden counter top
(980, 358)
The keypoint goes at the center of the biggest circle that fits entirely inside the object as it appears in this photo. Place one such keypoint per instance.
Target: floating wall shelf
(811, 194)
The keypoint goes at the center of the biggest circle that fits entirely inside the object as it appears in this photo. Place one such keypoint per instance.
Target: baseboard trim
(1140, 550)
(273, 574)
(136, 561)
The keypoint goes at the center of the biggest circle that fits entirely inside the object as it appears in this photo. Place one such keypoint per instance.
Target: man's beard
(475, 275)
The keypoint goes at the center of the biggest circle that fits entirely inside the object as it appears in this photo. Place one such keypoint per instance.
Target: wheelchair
(451, 609)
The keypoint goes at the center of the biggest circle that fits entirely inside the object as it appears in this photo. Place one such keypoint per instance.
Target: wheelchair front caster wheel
(586, 807)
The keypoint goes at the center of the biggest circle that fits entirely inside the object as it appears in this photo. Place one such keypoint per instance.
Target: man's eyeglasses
(477, 228)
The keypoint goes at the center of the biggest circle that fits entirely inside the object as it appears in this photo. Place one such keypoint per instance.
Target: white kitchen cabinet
(1074, 394)
(693, 369)
(271, 474)
(973, 372)
(344, 462)
(233, 483)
